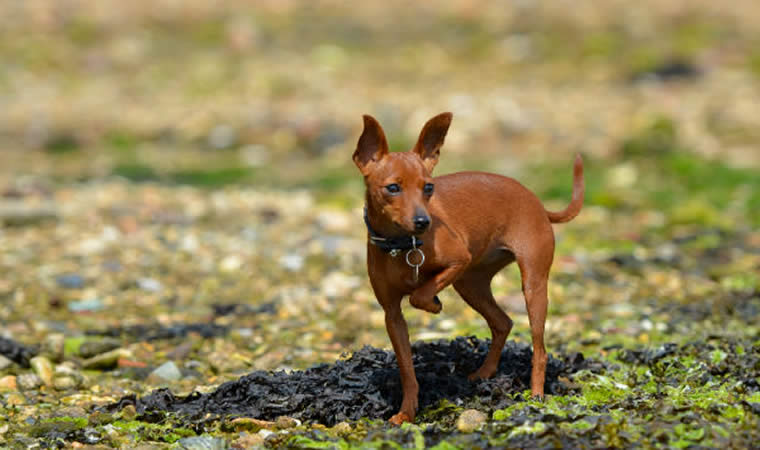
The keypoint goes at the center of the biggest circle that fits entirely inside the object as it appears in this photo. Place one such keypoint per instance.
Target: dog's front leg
(424, 297)
(399, 334)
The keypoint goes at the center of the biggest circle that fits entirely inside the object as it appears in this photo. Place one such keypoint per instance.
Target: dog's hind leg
(475, 288)
(534, 270)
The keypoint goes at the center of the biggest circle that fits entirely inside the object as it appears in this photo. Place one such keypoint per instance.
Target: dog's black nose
(421, 223)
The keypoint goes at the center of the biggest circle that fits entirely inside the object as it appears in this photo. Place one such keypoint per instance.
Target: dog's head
(400, 184)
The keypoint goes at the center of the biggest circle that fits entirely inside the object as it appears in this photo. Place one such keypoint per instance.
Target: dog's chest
(403, 274)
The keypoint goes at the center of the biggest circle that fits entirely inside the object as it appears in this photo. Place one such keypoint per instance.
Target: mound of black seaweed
(366, 385)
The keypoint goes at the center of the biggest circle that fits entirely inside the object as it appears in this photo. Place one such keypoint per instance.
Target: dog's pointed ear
(431, 139)
(372, 145)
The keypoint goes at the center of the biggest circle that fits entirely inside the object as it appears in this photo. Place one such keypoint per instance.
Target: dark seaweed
(18, 353)
(367, 385)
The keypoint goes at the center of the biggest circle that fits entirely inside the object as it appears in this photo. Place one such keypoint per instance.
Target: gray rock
(70, 281)
(28, 381)
(43, 368)
(167, 371)
(221, 137)
(202, 443)
(89, 349)
(470, 420)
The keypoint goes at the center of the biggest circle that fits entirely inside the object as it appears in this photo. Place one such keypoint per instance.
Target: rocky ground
(182, 246)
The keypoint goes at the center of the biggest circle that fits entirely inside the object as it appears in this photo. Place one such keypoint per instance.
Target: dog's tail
(576, 203)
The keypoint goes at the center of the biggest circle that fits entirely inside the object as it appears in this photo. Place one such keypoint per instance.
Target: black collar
(392, 245)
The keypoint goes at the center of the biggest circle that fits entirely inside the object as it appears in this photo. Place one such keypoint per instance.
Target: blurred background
(177, 161)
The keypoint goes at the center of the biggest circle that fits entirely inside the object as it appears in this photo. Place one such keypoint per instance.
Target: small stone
(17, 213)
(29, 381)
(292, 262)
(230, 263)
(264, 433)
(470, 420)
(181, 352)
(285, 422)
(70, 281)
(202, 443)
(167, 371)
(97, 418)
(249, 424)
(65, 383)
(53, 346)
(5, 362)
(93, 304)
(247, 440)
(342, 428)
(15, 399)
(221, 137)
(8, 384)
(149, 284)
(43, 368)
(128, 412)
(105, 361)
(88, 349)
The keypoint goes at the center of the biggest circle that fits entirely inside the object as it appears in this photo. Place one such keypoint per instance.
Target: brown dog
(426, 233)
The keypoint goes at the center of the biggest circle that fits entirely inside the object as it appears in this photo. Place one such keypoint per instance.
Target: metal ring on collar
(422, 257)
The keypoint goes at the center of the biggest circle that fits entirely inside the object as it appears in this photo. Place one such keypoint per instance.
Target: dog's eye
(393, 188)
(428, 189)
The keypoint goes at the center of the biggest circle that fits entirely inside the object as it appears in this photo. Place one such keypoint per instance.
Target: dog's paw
(431, 305)
(400, 418)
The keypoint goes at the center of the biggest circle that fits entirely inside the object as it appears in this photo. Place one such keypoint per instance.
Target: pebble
(167, 371)
(221, 137)
(285, 422)
(230, 263)
(93, 304)
(254, 155)
(249, 424)
(470, 420)
(202, 443)
(15, 399)
(128, 412)
(99, 418)
(342, 428)
(292, 262)
(29, 381)
(8, 384)
(149, 284)
(181, 352)
(65, 383)
(53, 346)
(70, 281)
(18, 213)
(106, 360)
(247, 440)
(43, 368)
(264, 433)
(88, 349)
(5, 362)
